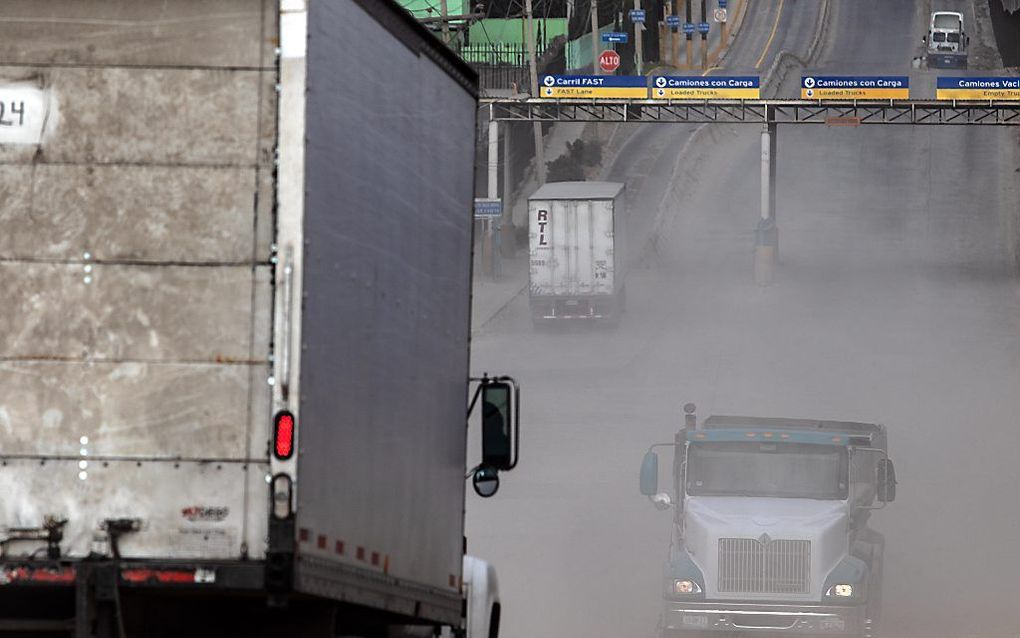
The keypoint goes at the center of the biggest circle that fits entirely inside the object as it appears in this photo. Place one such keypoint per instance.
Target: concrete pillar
(766, 248)
(488, 248)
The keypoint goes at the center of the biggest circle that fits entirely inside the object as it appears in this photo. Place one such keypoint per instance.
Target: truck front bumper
(794, 619)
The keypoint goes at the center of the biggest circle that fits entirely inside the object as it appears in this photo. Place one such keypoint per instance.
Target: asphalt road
(895, 301)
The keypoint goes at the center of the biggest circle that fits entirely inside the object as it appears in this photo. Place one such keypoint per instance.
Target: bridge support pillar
(766, 245)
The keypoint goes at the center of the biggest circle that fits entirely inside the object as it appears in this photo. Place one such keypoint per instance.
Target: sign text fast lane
(594, 86)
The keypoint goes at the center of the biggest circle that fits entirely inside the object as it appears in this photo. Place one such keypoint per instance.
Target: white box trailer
(577, 268)
(235, 317)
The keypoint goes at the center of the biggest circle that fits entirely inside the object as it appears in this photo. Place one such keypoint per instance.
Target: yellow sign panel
(589, 92)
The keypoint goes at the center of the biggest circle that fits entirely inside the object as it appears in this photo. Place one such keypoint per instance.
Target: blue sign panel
(844, 87)
(722, 4)
(971, 88)
(688, 27)
(588, 86)
(614, 36)
(703, 27)
(673, 21)
(668, 87)
(637, 15)
(488, 208)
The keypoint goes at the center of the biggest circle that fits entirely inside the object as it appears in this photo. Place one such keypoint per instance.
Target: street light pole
(594, 36)
(688, 19)
(704, 36)
(537, 126)
(639, 53)
(445, 22)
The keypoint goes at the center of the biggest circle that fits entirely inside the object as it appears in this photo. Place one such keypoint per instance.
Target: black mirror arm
(478, 392)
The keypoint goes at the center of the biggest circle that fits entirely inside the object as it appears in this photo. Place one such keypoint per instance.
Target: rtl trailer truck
(235, 276)
(577, 267)
(770, 527)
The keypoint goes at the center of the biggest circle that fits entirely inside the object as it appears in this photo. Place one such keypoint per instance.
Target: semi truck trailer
(234, 337)
(577, 267)
(770, 529)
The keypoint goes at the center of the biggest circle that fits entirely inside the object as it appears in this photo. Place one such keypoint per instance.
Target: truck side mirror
(485, 481)
(498, 425)
(924, 39)
(886, 481)
(650, 474)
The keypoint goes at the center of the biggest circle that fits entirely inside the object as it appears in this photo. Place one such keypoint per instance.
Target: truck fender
(481, 592)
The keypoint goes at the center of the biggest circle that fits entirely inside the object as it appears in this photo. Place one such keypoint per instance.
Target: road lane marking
(775, 27)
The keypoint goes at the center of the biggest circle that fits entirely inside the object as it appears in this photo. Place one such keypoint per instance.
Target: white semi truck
(234, 333)
(770, 529)
(577, 259)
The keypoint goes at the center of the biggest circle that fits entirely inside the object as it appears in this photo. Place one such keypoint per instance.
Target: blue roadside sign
(488, 208)
(722, 4)
(703, 27)
(637, 16)
(614, 36)
(688, 27)
(673, 21)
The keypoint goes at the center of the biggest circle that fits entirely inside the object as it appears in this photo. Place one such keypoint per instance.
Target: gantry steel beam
(833, 113)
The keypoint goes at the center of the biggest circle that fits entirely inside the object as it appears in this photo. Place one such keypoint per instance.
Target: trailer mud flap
(97, 602)
(280, 559)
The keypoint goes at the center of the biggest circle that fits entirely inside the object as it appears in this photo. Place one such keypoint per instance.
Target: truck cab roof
(800, 430)
(579, 190)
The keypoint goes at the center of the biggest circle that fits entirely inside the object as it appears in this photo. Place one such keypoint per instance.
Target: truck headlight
(686, 587)
(842, 590)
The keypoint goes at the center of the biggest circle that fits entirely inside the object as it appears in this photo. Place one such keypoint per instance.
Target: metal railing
(501, 65)
(832, 113)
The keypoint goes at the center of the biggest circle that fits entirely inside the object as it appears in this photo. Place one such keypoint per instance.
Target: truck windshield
(786, 470)
(953, 37)
(947, 22)
(938, 36)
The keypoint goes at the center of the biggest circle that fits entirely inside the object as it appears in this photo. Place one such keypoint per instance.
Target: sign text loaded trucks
(770, 526)
(235, 323)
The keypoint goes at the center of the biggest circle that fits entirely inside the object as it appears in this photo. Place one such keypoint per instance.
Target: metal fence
(499, 65)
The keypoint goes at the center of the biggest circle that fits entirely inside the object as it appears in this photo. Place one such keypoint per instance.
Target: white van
(946, 40)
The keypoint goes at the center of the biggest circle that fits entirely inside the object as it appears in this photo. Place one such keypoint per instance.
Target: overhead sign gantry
(836, 101)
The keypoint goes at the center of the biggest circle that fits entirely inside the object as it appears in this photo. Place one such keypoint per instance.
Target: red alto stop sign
(609, 61)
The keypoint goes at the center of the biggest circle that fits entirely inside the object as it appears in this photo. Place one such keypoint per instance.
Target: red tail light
(283, 435)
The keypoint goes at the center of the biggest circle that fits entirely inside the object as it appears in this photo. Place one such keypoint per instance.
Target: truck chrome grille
(764, 566)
